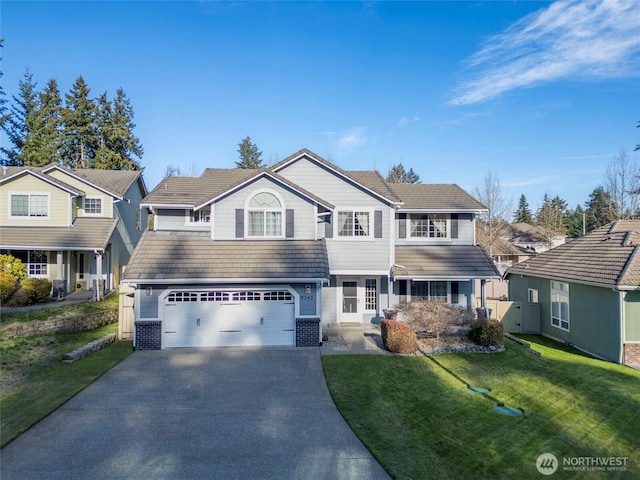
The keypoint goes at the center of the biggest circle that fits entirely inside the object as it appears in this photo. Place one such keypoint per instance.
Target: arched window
(264, 215)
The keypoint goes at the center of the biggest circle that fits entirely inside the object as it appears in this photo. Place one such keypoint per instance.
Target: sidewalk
(73, 298)
(357, 338)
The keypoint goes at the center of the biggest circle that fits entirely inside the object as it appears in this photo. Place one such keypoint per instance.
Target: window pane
(371, 294)
(420, 290)
(265, 200)
(345, 224)
(274, 224)
(438, 291)
(361, 226)
(19, 205)
(438, 226)
(419, 226)
(39, 206)
(256, 224)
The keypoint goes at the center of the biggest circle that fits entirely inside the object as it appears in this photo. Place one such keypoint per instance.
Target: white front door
(351, 303)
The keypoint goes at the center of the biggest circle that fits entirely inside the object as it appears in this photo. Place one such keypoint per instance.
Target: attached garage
(222, 318)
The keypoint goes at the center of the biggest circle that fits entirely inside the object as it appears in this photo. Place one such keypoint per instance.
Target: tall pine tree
(523, 213)
(48, 127)
(20, 126)
(398, 174)
(4, 115)
(250, 156)
(80, 140)
(600, 209)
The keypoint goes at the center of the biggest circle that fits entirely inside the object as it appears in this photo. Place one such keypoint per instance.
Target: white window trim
(411, 238)
(411, 297)
(93, 197)
(531, 293)
(364, 238)
(282, 210)
(376, 293)
(28, 216)
(561, 292)
(29, 264)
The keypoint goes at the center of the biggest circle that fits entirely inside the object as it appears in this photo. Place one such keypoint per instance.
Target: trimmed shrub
(487, 333)
(13, 266)
(398, 337)
(8, 285)
(39, 289)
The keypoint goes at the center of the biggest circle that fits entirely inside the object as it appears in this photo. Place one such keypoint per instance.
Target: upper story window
(25, 205)
(202, 216)
(264, 215)
(93, 206)
(354, 223)
(429, 225)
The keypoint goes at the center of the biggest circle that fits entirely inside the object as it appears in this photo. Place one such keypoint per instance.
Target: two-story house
(76, 227)
(265, 257)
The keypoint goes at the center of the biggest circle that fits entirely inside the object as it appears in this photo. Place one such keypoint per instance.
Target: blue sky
(541, 94)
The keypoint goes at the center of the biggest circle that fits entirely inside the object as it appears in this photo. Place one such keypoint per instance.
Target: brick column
(307, 332)
(148, 335)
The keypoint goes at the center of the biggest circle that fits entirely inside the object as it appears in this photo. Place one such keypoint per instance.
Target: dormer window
(264, 215)
(93, 206)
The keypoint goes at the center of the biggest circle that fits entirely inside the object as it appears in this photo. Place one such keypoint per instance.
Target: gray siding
(594, 315)
(170, 219)
(465, 232)
(632, 317)
(225, 210)
(346, 255)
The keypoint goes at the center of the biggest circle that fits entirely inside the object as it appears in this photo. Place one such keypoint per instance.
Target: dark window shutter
(454, 225)
(239, 223)
(402, 226)
(377, 224)
(289, 231)
(454, 292)
(328, 227)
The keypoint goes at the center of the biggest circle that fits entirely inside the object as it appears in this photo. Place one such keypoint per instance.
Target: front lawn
(34, 381)
(417, 416)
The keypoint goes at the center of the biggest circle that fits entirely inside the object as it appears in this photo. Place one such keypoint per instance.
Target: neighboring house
(530, 237)
(589, 291)
(264, 257)
(73, 227)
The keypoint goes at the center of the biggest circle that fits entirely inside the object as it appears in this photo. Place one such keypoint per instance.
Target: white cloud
(354, 137)
(406, 121)
(568, 39)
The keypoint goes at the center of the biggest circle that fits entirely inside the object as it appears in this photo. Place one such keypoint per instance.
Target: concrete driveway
(229, 413)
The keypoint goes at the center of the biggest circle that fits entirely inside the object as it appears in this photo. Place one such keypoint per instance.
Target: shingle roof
(609, 255)
(116, 182)
(85, 234)
(193, 257)
(435, 196)
(444, 261)
(197, 191)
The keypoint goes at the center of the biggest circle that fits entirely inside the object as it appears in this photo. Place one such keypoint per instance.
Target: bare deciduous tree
(622, 183)
(494, 222)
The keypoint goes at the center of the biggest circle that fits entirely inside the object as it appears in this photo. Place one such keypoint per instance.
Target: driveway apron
(229, 413)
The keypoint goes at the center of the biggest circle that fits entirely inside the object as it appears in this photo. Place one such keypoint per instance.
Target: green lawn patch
(418, 417)
(35, 381)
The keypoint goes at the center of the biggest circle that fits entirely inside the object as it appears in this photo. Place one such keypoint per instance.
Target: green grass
(36, 382)
(417, 416)
(57, 310)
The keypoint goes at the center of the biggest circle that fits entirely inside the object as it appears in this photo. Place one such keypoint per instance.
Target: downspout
(98, 273)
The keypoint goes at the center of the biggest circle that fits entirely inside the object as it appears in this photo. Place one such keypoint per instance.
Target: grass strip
(50, 383)
(419, 419)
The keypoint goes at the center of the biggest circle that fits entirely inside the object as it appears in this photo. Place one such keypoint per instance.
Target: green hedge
(487, 333)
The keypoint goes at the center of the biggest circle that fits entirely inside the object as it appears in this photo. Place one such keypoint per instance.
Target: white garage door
(223, 318)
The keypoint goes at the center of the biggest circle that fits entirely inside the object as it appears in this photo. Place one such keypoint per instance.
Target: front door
(350, 302)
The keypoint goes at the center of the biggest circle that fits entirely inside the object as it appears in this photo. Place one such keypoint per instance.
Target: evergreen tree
(576, 222)
(4, 115)
(523, 213)
(398, 174)
(20, 125)
(48, 125)
(600, 209)
(250, 156)
(80, 139)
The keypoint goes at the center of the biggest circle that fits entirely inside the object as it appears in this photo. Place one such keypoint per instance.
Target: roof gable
(115, 183)
(13, 173)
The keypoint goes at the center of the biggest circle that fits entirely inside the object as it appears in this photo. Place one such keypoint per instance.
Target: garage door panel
(211, 319)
